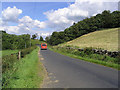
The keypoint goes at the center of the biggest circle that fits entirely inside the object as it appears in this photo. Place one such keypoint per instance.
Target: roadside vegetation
(9, 65)
(20, 70)
(88, 55)
(23, 73)
(9, 51)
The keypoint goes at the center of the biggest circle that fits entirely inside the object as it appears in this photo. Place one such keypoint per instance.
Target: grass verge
(108, 64)
(27, 74)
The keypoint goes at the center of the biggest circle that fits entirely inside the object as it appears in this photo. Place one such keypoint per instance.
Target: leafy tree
(11, 41)
(47, 39)
(107, 19)
(41, 38)
(34, 36)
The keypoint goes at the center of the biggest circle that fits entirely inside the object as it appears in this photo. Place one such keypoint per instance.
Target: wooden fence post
(19, 55)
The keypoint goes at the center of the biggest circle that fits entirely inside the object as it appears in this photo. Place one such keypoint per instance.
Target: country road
(66, 72)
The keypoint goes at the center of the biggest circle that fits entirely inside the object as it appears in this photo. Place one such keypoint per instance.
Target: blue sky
(45, 17)
(35, 9)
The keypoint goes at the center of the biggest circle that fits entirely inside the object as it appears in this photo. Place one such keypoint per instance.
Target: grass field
(104, 39)
(27, 75)
(8, 52)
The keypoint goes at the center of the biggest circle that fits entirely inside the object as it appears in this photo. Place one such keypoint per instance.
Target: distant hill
(106, 39)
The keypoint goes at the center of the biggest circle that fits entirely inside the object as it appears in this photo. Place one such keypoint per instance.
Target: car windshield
(43, 44)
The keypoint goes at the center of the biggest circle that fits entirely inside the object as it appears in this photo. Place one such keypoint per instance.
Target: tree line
(12, 41)
(101, 21)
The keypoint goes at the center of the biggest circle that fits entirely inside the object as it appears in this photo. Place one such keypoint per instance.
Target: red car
(44, 46)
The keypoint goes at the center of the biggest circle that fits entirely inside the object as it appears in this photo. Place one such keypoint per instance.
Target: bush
(8, 61)
(88, 51)
(27, 51)
(8, 68)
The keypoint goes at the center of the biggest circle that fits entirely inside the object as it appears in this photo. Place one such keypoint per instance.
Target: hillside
(106, 39)
(101, 21)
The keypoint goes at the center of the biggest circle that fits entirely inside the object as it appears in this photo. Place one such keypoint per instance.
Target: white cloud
(45, 34)
(25, 24)
(39, 24)
(2, 28)
(11, 14)
(65, 17)
(2, 23)
(26, 21)
(62, 18)
(28, 24)
(12, 29)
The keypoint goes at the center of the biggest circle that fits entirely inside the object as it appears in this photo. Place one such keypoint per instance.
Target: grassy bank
(93, 58)
(27, 74)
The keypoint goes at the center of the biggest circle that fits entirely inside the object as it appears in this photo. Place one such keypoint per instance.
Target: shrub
(8, 61)
(8, 67)
(27, 51)
(88, 51)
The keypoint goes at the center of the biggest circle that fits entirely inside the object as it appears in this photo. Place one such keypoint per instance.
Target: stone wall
(97, 51)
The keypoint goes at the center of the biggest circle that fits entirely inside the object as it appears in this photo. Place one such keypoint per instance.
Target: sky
(45, 17)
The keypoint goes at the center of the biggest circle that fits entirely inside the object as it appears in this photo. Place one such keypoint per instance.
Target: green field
(105, 39)
(8, 52)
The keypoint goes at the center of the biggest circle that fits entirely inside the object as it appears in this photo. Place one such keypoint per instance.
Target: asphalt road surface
(66, 72)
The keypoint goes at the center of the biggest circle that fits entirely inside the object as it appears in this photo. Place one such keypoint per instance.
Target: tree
(41, 38)
(107, 19)
(47, 39)
(11, 41)
(104, 20)
(34, 36)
